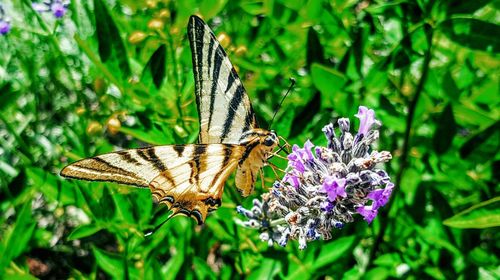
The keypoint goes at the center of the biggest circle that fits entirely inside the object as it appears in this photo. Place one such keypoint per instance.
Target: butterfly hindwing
(224, 108)
(188, 178)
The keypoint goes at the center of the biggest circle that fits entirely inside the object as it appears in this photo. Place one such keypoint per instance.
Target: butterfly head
(265, 139)
(270, 140)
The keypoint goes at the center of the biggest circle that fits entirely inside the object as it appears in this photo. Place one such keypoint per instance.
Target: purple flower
(334, 187)
(57, 7)
(327, 206)
(367, 119)
(381, 196)
(326, 189)
(295, 161)
(4, 22)
(4, 27)
(292, 179)
(305, 153)
(299, 156)
(367, 212)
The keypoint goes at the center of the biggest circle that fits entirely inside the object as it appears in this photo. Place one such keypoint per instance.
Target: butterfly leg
(273, 168)
(275, 154)
(261, 172)
(286, 146)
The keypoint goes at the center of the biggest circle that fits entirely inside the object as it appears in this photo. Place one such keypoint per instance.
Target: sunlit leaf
(482, 215)
(83, 231)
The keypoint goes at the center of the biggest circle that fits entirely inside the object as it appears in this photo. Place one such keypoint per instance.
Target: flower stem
(277, 222)
(406, 143)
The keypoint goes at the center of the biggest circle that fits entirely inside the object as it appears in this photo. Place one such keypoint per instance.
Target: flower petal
(367, 119)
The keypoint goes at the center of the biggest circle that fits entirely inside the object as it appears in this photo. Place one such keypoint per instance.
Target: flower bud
(137, 37)
(113, 125)
(164, 14)
(93, 128)
(156, 24)
(224, 39)
(241, 50)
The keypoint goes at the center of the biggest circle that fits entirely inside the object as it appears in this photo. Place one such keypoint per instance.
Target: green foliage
(118, 74)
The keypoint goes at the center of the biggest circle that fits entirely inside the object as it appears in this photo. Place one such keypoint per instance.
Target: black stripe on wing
(149, 155)
(233, 105)
(209, 61)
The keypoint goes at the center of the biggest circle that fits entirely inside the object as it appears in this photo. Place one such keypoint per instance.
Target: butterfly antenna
(157, 227)
(292, 80)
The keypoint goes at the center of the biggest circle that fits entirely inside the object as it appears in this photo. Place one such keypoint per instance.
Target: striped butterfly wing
(224, 109)
(189, 179)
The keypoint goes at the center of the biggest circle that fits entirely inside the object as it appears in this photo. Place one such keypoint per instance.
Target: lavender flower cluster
(324, 189)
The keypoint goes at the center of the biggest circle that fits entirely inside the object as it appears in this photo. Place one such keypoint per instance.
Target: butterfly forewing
(224, 108)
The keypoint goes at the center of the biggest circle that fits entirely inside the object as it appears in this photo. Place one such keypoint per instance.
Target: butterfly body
(190, 178)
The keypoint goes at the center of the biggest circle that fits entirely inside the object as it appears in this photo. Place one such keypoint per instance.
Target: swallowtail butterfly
(190, 178)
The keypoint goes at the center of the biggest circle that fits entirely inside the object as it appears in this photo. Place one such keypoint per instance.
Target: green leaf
(12, 274)
(473, 33)
(465, 7)
(478, 139)
(110, 263)
(285, 123)
(15, 239)
(306, 115)
(332, 251)
(482, 257)
(154, 72)
(83, 231)
(314, 52)
(450, 87)
(211, 8)
(9, 95)
(376, 273)
(107, 206)
(446, 128)
(483, 215)
(202, 270)
(173, 266)
(327, 80)
(111, 47)
(153, 136)
(268, 269)
(50, 185)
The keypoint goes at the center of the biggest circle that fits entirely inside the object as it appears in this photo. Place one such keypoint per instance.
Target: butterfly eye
(269, 141)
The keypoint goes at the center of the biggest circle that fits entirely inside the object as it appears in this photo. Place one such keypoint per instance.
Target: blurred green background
(117, 74)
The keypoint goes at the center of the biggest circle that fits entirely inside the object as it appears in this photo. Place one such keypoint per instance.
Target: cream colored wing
(189, 179)
(224, 108)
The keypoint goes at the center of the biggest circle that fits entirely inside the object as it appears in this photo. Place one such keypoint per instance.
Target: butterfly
(190, 178)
